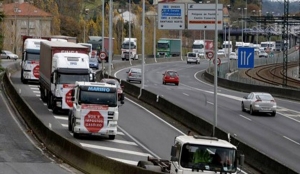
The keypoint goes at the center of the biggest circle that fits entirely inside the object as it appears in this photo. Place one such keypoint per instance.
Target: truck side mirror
(122, 98)
(92, 77)
(173, 151)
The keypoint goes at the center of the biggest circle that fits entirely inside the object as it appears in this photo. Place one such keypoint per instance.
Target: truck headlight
(113, 124)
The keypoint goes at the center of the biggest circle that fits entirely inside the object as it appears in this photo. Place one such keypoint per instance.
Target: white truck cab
(197, 154)
(129, 49)
(95, 109)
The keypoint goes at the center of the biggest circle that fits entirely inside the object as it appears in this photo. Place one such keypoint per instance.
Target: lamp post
(86, 11)
(28, 20)
(242, 22)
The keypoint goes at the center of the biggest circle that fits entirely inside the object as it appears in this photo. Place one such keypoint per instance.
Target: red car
(170, 76)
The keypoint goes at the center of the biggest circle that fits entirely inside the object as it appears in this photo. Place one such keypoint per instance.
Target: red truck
(96, 42)
(61, 65)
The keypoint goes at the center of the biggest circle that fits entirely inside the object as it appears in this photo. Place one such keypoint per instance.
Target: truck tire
(24, 81)
(43, 97)
(143, 164)
(111, 137)
(49, 98)
(75, 135)
(69, 121)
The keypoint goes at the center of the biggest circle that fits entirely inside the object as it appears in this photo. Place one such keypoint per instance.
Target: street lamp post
(86, 11)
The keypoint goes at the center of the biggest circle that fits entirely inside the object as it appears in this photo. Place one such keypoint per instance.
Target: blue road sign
(245, 57)
(171, 12)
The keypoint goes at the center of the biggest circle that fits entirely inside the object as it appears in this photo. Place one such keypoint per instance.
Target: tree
(69, 26)
(52, 8)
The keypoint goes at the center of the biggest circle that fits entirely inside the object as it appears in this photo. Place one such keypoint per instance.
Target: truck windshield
(210, 158)
(126, 46)
(32, 57)
(90, 97)
(197, 46)
(72, 78)
(163, 45)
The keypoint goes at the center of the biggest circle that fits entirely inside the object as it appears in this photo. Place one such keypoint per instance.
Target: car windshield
(89, 97)
(163, 45)
(191, 55)
(210, 158)
(8, 52)
(72, 78)
(264, 97)
(133, 70)
(126, 46)
(93, 60)
(172, 73)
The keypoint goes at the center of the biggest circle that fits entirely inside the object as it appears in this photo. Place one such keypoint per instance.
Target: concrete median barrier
(78, 157)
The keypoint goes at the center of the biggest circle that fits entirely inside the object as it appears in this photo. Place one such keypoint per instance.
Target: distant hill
(276, 6)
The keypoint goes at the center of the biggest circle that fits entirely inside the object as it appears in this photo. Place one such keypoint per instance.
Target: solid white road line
(114, 149)
(291, 140)
(246, 117)
(60, 117)
(123, 142)
(35, 88)
(185, 94)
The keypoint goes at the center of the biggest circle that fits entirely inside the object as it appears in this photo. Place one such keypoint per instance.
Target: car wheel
(8, 57)
(176, 84)
(243, 107)
(273, 113)
(251, 110)
(111, 137)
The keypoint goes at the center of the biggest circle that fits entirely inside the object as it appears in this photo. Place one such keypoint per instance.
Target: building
(23, 18)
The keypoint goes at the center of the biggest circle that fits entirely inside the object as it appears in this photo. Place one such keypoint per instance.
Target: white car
(233, 56)
(192, 58)
(262, 53)
(8, 55)
(257, 102)
(221, 53)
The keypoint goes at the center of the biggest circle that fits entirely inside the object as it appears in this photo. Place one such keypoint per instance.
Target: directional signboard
(171, 16)
(202, 16)
(245, 57)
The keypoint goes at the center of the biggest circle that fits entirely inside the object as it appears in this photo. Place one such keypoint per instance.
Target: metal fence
(232, 73)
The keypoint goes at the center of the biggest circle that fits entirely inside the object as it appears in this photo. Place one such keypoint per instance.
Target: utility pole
(285, 21)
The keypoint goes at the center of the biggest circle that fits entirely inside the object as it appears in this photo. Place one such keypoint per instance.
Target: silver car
(134, 74)
(8, 55)
(257, 102)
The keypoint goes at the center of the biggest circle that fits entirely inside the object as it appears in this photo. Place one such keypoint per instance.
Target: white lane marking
(246, 117)
(64, 125)
(140, 144)
(123, 142)
(25, 132)
(155, 116)
(60, 117)
(185, 94)
(125, 161)
(36, 92)
(210, 103)
(35, 88)
(38, 95)
(291, 140)
(114, 149)
(288, 117)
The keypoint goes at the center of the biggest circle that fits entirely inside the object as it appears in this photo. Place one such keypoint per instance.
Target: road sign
(171, 16)
(219, 61)
(245, 57)
(202, 16)
(210, 54)
(102, 55)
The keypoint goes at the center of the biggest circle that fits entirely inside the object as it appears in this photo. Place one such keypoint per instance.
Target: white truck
(95, 109)
(227, 47)
(198, 47)
(30, 58)
(129, 49)
(197, 154)
(61, 65)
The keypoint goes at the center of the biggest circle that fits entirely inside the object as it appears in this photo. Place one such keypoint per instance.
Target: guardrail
(78, 157)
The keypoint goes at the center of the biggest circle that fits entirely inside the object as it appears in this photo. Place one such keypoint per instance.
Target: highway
(20, 152)
(134, 141)
(278, 137)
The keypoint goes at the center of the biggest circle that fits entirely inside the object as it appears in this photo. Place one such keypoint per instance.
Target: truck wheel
(24, 81)
(111, 137)
(75, 135)
(43, 97)
(49, 101)
(69, 121)
(143, 164)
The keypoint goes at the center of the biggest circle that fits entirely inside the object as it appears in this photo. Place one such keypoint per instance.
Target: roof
(209, 141)
(99, 84)
(24, 9)
(63, 44)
